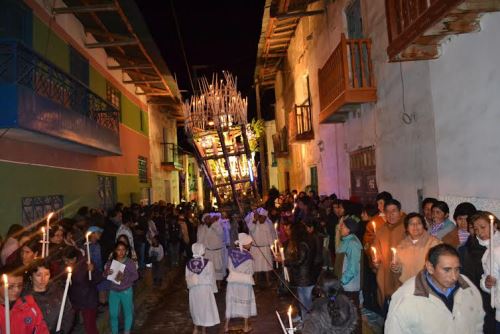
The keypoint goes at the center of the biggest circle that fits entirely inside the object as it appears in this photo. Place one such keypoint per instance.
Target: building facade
(374, 98)
(87, 103)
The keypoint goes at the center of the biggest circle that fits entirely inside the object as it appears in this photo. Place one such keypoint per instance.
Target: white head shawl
(262, 212)
(198, 250)
(243, 239)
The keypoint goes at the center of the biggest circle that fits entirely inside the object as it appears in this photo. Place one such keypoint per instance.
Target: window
(314, 179)
(16, 21)
(35, 209)
(143, 169)
(113, 96)
(78, 66)
(273, 159)
(106, 191)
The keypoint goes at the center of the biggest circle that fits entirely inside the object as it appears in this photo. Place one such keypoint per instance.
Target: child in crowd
(121, 293)
(200, 279)
(240, 298)
(156, 255)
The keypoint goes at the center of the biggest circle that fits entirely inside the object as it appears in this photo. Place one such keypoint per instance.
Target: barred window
(143, 169)
(35, 209)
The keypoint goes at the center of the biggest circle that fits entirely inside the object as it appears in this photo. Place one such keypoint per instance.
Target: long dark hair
(297, 235)
(127, 249)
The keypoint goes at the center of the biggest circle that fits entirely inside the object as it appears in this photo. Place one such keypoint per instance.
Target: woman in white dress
(240, 298)
(200, 279)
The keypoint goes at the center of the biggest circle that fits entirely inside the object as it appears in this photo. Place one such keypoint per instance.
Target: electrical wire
(178, 30)
(406, 118)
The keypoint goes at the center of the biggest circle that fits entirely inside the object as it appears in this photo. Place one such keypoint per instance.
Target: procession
(264, 166)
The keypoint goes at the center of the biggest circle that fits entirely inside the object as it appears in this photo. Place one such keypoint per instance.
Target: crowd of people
(424, 273)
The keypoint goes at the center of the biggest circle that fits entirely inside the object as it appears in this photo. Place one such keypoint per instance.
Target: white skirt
(202, 306)
(240, 301)
(217, 258)
(260, 254)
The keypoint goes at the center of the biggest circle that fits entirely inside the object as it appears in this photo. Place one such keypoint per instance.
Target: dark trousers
(354, 297)
(89, 317)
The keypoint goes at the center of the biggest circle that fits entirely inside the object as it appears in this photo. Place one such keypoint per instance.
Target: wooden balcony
(417, 27)
(171, 157)
(301, 126)
(280, 143)
(346, 80)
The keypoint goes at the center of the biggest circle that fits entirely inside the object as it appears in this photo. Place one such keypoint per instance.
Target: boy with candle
(25, 316)
(240, 298)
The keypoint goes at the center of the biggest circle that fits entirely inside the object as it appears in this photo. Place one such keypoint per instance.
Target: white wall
(465, 84)
(270, 130)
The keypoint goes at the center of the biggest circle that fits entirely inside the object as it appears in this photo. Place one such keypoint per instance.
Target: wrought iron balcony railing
(303, 122)
(22, 66)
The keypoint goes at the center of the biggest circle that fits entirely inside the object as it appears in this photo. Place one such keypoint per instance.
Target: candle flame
(87, 235)
(373, 224)
(289, 310)
(492, 218)
(43, 229)
(374, 250)
(49, 216)
(393, 250)
(5, 280)
(69, 270)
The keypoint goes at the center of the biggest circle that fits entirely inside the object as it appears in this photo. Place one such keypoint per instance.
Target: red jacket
(25, 317)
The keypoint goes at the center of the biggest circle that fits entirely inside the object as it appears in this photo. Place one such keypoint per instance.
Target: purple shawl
(197, 265)
(238, 257)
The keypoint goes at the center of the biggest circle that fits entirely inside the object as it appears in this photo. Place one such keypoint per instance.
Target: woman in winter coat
(412, 250)
(48, 297)
(333, 312)
(476, 262)
(121, 293)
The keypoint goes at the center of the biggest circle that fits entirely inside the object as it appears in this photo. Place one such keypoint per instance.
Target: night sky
(217, 35)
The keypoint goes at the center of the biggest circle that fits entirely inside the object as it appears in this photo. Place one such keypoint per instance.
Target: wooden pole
(262, 145)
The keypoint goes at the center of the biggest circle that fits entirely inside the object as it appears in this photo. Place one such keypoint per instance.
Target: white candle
(492, 232)
(281, 323)
(374, 227)
(6, 301)
(88, 252)
(43, 241)
(63, 302)
(49, 216)
(393, 250)
(290, 316)
(276, 227)
(374, 250)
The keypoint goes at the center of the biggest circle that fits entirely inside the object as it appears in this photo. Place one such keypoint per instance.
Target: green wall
(97, 83)
(79, 188)
(50, 45)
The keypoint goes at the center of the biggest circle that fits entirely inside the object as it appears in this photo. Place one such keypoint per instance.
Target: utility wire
(178, 30)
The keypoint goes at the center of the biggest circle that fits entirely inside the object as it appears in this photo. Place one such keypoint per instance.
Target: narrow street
(166, 310)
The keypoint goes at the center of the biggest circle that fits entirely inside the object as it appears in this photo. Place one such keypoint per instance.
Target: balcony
(417, 27)
(280, 143)
(346, 80)
(301, 126)
(41, 103)
(171, 161)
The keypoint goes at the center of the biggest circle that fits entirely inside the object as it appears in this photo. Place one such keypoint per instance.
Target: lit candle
(492, 233)
(374, 227)
(374, 250)
(281, 322)
(6, 302)
(49, 216)
(43, 241)
(285, 270)
(63, 302)
(290, 316)
(87, 235)
(276, 227)
(393, 250)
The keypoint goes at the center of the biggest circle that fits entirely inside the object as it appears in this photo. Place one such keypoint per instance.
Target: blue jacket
(351, 268)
